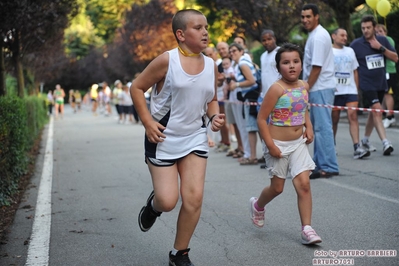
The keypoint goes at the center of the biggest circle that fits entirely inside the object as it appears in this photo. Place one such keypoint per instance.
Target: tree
(252, 17)
(29, 26)
(343, 10)
(146, 33)
(108, 15)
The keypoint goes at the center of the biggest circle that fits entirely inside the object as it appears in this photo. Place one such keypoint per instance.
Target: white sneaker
(367, 145)
(233, 138)
(361, 153)
(309, 236)
(388, 148)
(388, 122)
(257, 217)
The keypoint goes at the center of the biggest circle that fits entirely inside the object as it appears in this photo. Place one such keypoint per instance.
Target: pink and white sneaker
(257, 217)
(309, 236)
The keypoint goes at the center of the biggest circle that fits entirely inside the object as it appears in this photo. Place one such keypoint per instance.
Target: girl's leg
(269, 193)
(56, 110)
(62, 110)
(302, 187)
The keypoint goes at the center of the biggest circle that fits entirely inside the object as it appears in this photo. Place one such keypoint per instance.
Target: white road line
(39, 246)
(362, 191)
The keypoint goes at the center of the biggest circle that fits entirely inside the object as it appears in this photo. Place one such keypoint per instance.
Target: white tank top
(181, 107)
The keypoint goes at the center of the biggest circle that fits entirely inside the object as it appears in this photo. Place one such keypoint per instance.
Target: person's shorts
(342, 100)
(164, 163)
(93, 100)
(372, 97)
(251, 124)
(393, 84)
(296, 159)
(118, 109)
(229, 113)
(59, 101)
(127, 109)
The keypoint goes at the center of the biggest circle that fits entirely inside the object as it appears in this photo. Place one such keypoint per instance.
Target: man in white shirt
(318, 71)
(268, 66)
(347, 82)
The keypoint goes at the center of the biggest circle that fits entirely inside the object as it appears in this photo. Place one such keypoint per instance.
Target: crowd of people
(335, 72)
(100, 99)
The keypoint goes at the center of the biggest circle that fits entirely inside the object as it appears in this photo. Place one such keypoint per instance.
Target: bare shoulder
(305, 84)
(156, 69)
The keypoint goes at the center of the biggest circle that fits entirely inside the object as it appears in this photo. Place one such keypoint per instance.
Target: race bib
(375, 61)
(343, 78)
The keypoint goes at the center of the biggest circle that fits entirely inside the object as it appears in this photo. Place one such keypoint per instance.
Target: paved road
(100, 182)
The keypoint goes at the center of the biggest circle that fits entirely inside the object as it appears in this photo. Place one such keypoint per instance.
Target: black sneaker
(147, 215)
(181, 258)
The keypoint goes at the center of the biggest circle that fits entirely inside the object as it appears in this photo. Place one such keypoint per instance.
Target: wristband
(237, 84)
(210, 119)
(382, 49)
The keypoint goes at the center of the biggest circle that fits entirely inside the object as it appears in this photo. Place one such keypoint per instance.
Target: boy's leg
(164, 196)
(166, 186)
(192, 178)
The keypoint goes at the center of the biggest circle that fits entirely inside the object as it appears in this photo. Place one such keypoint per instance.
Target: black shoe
(322, 174)
(147, 215)
(181, 258)
(263, 166)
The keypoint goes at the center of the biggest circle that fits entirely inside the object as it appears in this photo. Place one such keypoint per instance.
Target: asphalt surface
(100, 182)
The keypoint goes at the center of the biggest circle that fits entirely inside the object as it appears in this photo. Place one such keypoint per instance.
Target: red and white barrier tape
(331, 106)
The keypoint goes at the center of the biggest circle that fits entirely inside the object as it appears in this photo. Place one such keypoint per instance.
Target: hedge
(21, 121)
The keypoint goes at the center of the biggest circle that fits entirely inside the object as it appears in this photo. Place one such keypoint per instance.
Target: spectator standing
(245, 84)
(50, 102)
(223, 50)
(268, 66)
(318, 71)
(115, 98)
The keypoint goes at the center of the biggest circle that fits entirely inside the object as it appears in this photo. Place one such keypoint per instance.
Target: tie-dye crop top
(290, 108)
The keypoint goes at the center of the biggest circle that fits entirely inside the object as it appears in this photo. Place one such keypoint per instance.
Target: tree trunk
(343, 18)
(18, 66)
(2, 70)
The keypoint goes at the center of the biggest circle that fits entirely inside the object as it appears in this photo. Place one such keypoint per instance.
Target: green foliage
(256, 53)
(81, 36)
(107, 15)
(11, 85)
(20, 123)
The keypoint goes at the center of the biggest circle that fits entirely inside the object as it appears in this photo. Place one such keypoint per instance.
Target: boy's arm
(154, 73)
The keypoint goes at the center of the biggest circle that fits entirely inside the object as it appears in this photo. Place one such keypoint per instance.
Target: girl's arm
(269, 101)
(308, 134)
(154, 73)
